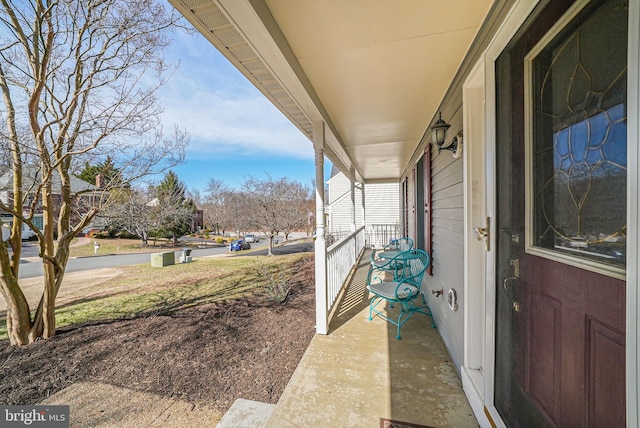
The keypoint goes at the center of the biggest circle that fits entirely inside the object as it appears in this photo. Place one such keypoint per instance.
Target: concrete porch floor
(360, 373)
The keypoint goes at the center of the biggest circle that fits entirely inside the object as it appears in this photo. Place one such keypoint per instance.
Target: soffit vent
(229, 37)
(208, 14)
(195, 4)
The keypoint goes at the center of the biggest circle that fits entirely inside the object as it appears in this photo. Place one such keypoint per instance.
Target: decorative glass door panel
(576, 86)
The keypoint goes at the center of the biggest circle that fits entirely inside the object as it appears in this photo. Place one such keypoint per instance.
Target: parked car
(250, 237)
(239, 244)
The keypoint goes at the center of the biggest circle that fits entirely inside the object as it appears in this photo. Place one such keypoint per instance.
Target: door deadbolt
(515, 263)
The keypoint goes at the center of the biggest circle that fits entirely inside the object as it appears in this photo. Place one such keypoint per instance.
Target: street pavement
(31, 265)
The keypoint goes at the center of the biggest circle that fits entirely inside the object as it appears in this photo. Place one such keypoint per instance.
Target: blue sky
(235, 131)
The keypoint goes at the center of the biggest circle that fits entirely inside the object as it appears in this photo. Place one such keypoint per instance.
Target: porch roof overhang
(374, 71)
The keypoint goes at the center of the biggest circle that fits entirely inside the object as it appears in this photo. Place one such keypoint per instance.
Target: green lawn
(117, 246)
(142, 289)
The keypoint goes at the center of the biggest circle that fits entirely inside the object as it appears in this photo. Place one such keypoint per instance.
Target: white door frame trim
(514, 20)
(633, 217)
(475, 371)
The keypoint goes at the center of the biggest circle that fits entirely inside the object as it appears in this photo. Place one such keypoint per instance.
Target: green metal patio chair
(404, 288)
(400, 244)
(387, 259)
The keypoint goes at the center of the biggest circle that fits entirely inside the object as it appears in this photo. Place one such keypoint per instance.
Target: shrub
(277, 285)
(123, 234)
(103, 234)
(221, 240)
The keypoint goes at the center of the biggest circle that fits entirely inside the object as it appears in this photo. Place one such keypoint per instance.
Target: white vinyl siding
(448, 244)
(338, 186)
(381, 204)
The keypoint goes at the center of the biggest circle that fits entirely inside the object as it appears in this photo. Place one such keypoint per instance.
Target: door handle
(484, 232)
(508, 289)
(506, 281)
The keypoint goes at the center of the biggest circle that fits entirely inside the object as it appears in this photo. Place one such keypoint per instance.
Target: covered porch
(359, 374)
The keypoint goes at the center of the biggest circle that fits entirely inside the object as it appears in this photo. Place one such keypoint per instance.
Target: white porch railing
(341, 258)
(379, 235)
(376, 235)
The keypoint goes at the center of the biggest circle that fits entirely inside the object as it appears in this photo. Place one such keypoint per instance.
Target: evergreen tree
(110, 174)
(171, 189)
(178, 210)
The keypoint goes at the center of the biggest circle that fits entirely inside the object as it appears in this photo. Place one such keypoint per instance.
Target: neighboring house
(27, 233)
(197, 221)
(382, 210)
(6, 231)
(30, 179)
(532, 217)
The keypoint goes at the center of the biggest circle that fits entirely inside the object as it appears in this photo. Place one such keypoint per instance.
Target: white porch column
(364, 212)
(322, 318)
(352, 180)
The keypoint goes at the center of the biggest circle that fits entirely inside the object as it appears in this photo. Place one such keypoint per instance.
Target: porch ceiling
(375, 71)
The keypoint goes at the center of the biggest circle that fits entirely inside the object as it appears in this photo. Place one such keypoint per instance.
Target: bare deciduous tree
(235, 213)
(295, 214)
(214, 204)
(82, 77)
(276, 205)
(132, 214)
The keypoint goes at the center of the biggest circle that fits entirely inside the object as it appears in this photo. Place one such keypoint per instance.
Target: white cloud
(222, 111)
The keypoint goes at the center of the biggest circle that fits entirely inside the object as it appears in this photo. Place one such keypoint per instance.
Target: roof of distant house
(31, 175)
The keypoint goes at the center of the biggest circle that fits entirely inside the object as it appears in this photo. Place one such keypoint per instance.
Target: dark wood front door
(561, 167)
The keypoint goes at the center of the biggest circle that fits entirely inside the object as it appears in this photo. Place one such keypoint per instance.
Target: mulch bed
(216, 353)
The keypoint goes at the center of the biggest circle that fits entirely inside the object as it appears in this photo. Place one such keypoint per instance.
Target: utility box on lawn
(186, 255)
(163, 259)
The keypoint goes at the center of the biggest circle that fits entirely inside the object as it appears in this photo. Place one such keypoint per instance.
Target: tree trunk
(49, 302)
(270, 250)
(44, 320)
(18, 316)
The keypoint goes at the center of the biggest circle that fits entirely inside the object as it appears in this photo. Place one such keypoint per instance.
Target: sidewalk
(100, 405)
(74, 283)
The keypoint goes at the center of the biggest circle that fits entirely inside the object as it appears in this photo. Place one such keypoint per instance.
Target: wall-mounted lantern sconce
(439, 136)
